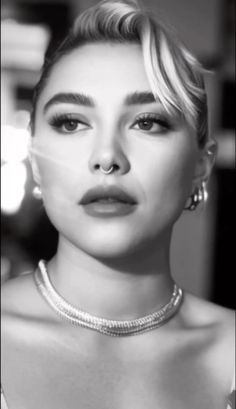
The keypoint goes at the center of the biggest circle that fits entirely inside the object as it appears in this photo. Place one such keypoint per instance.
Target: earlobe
(211, 150)
(205, 162)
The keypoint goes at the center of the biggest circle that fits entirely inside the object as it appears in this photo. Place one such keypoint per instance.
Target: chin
(110, 243)
(108, 247)
(113, 239)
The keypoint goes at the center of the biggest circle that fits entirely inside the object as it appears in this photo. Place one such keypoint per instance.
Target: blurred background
(203, 241)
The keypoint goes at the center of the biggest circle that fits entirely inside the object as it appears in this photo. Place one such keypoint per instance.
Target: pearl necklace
(102, 325)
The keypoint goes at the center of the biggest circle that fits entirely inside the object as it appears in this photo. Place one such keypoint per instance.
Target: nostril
(116, 167)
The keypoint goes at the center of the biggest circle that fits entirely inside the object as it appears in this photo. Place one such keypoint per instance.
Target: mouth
(108, 201)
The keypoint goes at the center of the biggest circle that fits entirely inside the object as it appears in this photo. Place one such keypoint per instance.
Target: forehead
(99, 69)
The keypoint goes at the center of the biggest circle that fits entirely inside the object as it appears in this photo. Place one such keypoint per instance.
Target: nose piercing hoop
(107, 172)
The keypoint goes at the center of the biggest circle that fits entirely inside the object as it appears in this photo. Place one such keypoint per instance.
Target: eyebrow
(69, 98)
(135, 98)
(138, 98)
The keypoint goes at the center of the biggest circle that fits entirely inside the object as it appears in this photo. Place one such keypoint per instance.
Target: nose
(109, 157)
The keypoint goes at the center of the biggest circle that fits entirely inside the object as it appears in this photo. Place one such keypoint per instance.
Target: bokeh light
(14, 143)
(13, 179)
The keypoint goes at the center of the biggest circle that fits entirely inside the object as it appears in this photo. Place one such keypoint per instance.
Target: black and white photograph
(118, 204)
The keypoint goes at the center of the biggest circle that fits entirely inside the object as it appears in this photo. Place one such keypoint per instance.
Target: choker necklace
(103, 325)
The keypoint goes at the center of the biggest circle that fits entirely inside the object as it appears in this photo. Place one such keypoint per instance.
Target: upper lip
(107, 192)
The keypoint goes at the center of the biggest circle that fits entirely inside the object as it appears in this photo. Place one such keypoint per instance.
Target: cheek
(60, 168)
(167, 177)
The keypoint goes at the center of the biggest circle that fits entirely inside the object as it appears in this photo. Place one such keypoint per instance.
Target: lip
(108, 201)
(100, 193)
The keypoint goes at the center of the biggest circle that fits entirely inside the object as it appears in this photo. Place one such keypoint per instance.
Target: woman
(120, 147)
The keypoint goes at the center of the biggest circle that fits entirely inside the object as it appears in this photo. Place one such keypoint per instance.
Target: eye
(145, 124)
(67, 123)
(151, 123)
(70, 125)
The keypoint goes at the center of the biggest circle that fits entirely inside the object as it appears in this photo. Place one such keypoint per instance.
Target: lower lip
(98, 209)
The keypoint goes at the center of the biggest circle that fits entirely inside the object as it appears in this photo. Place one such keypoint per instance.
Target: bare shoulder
(22, 304)
(17, 295)
(27, 321)
(216, 326)
(201, 312)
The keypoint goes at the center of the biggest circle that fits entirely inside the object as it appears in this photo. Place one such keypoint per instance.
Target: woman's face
(96, 111)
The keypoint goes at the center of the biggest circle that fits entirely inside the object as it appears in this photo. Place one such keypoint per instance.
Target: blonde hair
(174, 74)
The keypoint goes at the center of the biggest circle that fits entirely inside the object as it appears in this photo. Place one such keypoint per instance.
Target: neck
(124, 288)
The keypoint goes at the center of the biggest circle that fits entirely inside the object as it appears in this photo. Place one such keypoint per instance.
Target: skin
(157, 167)
(115, 267)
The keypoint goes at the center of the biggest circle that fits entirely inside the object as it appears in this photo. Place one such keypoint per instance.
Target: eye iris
(70, 125)
(146, 124)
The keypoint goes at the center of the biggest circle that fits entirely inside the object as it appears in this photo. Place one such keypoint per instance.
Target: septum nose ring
(108, 171)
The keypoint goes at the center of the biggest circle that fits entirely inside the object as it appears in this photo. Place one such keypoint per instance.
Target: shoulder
(215, 327)
(202, 313)
(27, 323)
(18, 298)
(17, 294)
(210, 318)
(22, 305)
(24, 330)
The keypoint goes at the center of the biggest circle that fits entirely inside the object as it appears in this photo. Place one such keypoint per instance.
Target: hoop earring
(199, 194)
(107, 171)
(37, 193)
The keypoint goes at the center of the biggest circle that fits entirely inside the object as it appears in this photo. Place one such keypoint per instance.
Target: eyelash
(59, 120)
(162, 122)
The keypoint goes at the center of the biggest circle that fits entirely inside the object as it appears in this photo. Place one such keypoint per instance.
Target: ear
(33, 162)
(205, 162)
